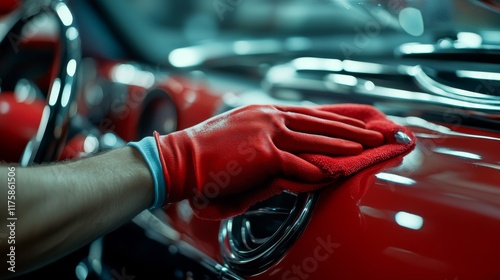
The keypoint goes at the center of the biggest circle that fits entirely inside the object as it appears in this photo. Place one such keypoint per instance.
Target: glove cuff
(147, 147)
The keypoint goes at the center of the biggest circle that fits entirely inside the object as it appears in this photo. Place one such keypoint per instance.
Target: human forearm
(61, 207)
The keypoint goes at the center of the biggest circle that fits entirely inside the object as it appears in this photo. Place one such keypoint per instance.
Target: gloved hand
(243, 150)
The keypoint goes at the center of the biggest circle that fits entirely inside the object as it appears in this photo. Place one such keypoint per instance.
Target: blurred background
(152, 29)
(165, 65)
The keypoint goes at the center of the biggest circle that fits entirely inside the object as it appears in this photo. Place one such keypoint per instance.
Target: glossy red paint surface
(203, 234)
(18, 124)
(431, 214)
(195, 101)
(124, 116)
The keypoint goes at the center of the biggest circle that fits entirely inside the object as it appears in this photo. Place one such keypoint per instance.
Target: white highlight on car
(409, 220)
(395, 178)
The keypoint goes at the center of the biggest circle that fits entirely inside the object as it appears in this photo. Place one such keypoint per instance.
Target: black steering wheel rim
(52, 132)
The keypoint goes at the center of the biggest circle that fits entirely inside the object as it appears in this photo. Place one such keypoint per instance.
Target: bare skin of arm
(61, 207)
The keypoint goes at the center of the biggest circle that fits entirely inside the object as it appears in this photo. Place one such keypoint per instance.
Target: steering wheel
(60, 105)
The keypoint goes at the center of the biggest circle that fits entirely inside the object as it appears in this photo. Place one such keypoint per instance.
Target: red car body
(433, 213)
(450, 181)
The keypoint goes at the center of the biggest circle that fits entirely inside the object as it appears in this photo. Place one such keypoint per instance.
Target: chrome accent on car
(255, 240)
(446, 46)
(435, 87)
(348, 85)
(52, 131)
(462, 46)
(370, 89)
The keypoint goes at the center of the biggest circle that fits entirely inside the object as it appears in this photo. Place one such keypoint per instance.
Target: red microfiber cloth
(333, 167)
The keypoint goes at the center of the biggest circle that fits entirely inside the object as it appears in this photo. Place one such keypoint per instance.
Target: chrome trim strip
(267, 211)
(259, 259)
(254, 239)
(331, 86)
(403, 95)
(433, 86)
(454, 48)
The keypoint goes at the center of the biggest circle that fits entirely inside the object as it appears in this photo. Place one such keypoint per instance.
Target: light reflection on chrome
(242, 252)
(433, 86)
(66, 94)
(346, 80)
(71, 67)
(281, 73)
(43, 124)
(64, 14)
(469, 39)
(364, 67)
(242, 47)
(409, 220)
(413, 48)
(54, 92)
(288, 76)
(72, 33)
(318, 64)
(478, 75)
(54, 123)
(219, 52)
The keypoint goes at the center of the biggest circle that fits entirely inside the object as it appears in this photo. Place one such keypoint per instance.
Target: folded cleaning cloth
(398, 140)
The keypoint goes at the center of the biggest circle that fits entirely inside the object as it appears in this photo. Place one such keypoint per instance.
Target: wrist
(149, 151)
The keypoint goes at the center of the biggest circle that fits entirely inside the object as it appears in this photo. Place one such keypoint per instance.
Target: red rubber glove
(246, 148)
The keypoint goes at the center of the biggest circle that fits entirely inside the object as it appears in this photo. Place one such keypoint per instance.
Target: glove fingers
(313, 125)
(298, 143)
(322, 115)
